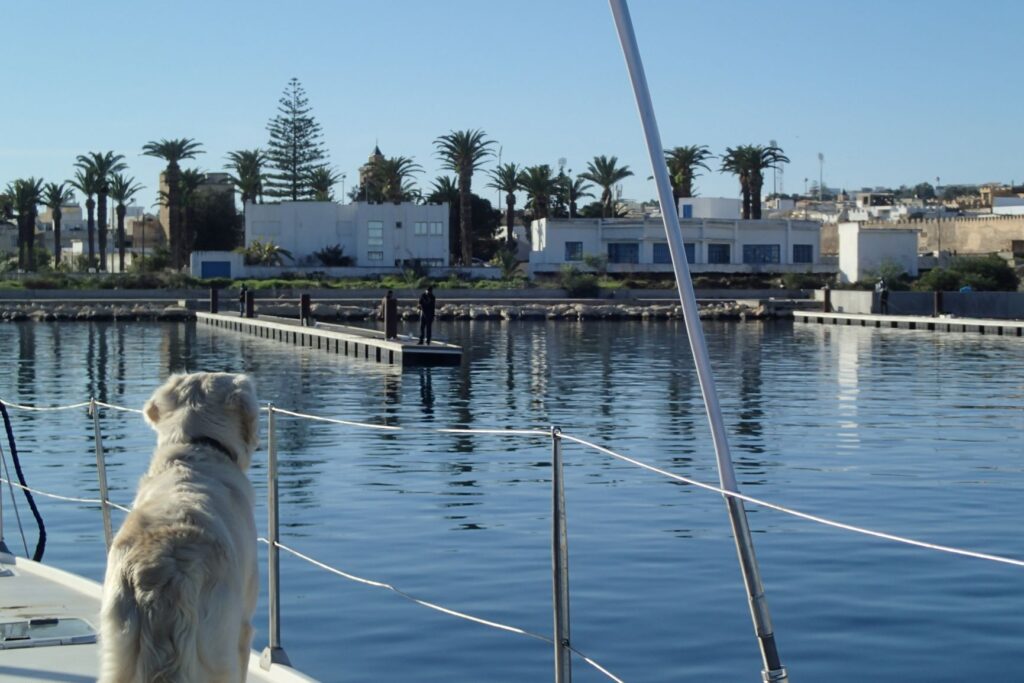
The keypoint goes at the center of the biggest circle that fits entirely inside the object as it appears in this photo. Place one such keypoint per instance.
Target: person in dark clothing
(883, 296)
(428, 303)
(389, 311)
(241, 300)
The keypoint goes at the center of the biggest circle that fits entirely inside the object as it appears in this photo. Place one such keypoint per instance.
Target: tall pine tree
(295, 148)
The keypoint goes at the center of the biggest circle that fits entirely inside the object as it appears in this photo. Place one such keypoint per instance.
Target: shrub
(803, 281)
(334, 255)
(982, 273)
(577, 284)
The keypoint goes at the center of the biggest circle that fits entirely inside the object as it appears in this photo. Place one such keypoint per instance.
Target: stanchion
(101, 473)
(273, 653)
(559, 563)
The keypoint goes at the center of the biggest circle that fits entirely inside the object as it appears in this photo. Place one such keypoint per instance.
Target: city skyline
(888, 94)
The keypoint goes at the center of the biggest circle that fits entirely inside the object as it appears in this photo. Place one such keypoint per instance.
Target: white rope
(434, 606)
(70, 499)
(802, 515)
(117, 407)
(583, 442)
(40, 409)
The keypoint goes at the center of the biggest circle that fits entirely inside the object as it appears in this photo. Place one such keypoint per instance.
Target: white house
(710, 207)
(712, 245)
(378, 237)
(373, 235)
(863, 250)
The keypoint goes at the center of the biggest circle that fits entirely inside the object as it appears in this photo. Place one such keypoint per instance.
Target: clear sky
(893, 92)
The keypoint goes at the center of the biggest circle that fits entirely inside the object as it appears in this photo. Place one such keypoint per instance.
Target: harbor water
(908, 432)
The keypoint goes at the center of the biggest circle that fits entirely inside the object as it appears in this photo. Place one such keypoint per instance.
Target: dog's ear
(152, 410)
(243, 400)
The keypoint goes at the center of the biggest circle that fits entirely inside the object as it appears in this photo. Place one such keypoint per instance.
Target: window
(437, 228)
(574, 251)
(760, 253)
(375, 255)
(623, 252)
(687, 210)
(663, 255)
(375, 234)
(398, 224)
(803, 253)
(419, 228)
(719, 253)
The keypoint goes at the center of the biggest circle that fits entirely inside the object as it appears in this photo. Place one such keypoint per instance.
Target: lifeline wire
(607, 451)
(439, 608)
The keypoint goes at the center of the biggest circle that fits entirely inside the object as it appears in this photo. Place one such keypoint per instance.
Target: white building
(862, 251)
(710, 207)
(712, 245)
(374, 235)
(1008, 206)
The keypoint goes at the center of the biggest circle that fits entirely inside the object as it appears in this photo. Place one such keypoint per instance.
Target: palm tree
(188, 186)
(56, 195)
(122, 190)
(463, 151)
(540, 185)
(26, 194)
(445, 190)
(577, 187)
(505, 178)
(737, 160)
(392, 178)
(762, 158)
(321, 181)
(248, 175)
(173, 151)
(103, 166)
(86, 183)
(683, 163)
(605, 172)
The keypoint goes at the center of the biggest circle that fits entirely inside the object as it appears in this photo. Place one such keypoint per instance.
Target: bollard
(250, 304)
(214, 300)
(827, 304)
(937, 304)
(305, 316)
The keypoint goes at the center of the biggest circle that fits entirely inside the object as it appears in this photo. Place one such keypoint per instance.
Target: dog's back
(181, 578)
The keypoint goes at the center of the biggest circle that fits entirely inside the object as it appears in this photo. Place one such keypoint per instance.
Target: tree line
(294, 167)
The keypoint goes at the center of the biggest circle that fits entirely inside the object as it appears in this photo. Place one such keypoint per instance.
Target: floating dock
(1006, 328)
(355, 342)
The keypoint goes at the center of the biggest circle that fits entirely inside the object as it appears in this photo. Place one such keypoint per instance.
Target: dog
(181, 581)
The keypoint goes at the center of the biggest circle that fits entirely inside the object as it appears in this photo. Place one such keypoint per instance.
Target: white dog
(181, 580)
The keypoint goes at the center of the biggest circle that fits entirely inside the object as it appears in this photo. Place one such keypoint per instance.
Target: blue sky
(889, 92)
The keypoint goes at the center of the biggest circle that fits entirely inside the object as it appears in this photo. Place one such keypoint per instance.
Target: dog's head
(207, 405)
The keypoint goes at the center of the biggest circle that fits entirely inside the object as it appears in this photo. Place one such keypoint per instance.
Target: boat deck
(66, 649)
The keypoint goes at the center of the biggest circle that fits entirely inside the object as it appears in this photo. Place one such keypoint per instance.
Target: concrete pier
(356, 342)
(1007, 328)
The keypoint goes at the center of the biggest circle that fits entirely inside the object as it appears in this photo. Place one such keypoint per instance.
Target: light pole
(343, 176)
(821, 174)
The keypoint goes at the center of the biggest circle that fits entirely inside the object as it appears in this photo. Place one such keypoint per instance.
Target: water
(914, 433)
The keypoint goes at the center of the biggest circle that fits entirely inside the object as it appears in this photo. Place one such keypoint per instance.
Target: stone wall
(961, 235)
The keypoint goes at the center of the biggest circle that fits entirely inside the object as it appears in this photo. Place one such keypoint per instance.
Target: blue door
(216, 269)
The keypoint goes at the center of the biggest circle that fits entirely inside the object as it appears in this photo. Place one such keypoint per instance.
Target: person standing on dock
(882, 290)
(428, 302)
(389, 311)
(241, 300)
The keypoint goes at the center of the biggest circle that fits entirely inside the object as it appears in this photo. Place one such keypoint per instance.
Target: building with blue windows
(723, 245)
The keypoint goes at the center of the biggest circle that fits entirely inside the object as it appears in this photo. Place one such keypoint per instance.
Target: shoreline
(99, 311)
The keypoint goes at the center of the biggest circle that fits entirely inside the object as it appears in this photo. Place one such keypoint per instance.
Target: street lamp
(343, 176)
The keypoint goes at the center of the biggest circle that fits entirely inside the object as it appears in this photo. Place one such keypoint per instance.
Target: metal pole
(273, 653)
(773, 670)
(559, 563)
(101, 473)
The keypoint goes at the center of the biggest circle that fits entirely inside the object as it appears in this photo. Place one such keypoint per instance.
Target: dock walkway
(356, 342)
(1008, 328)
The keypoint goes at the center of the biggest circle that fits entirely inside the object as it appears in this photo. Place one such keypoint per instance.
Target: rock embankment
(57, 311)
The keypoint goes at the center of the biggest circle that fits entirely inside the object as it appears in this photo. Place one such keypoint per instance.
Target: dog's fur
(181, 580)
